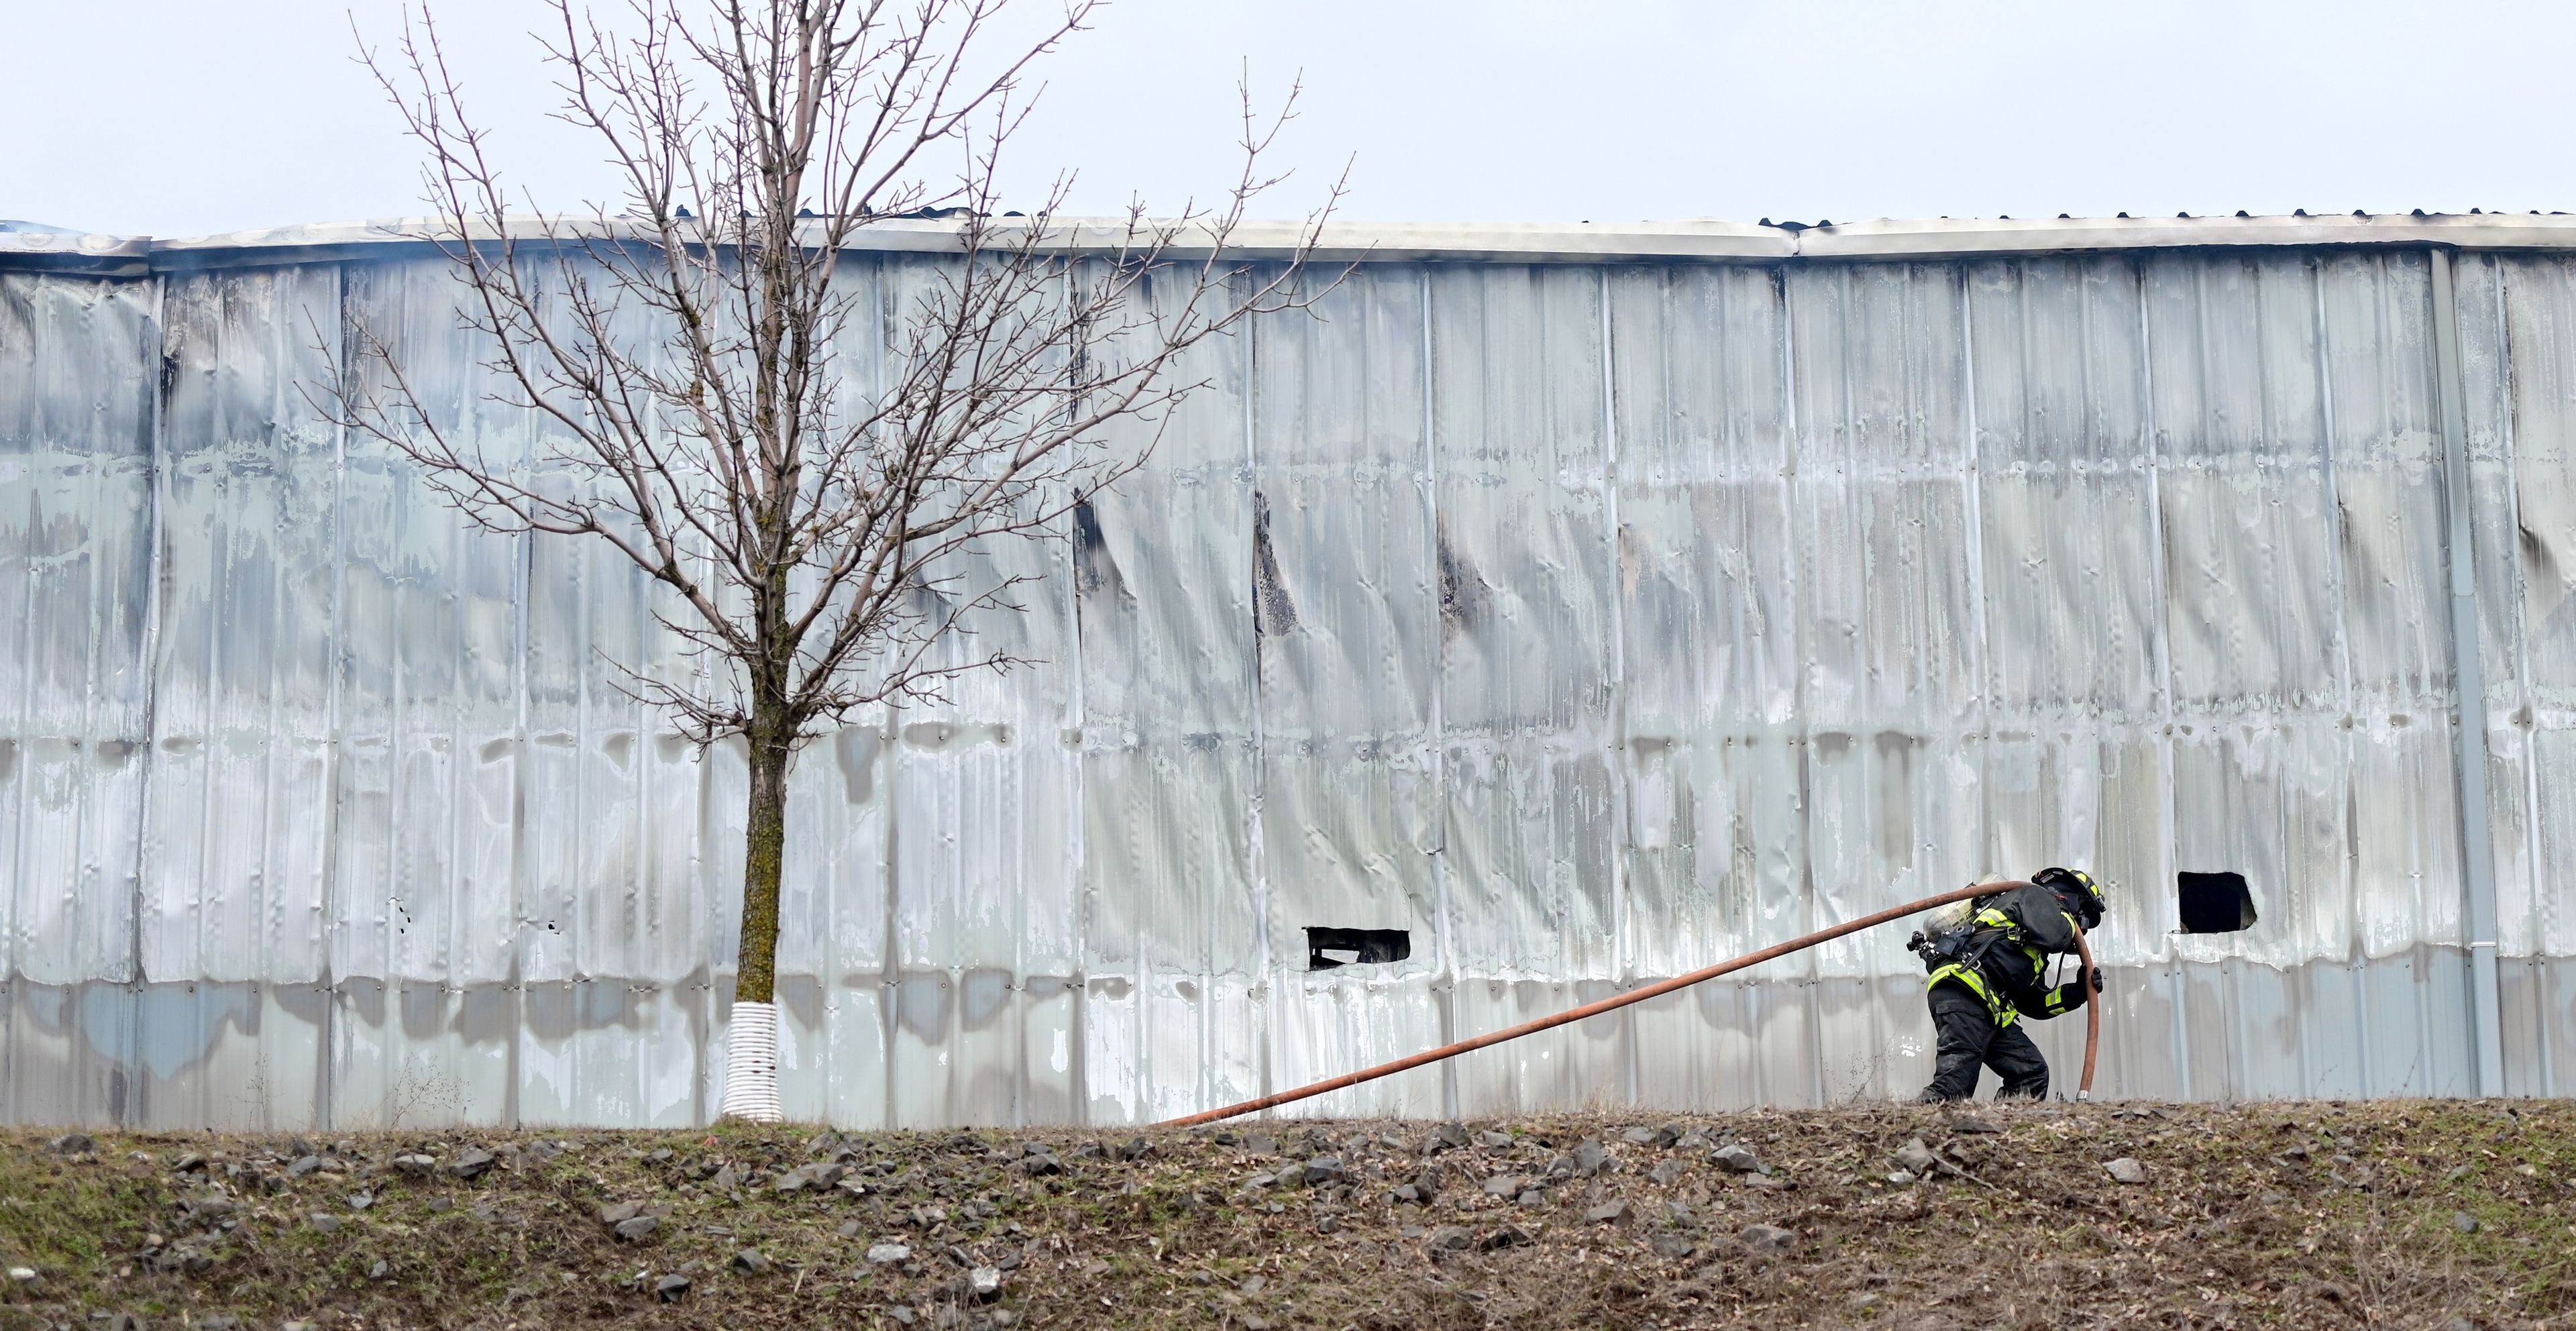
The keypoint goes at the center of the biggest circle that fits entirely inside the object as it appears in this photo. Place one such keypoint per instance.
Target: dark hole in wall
(1327, 948)
(2215, 903)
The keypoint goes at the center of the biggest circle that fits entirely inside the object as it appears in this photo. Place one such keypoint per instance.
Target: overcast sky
(178, 117)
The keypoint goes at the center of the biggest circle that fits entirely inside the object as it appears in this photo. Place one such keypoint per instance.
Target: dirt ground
(2414, 1214)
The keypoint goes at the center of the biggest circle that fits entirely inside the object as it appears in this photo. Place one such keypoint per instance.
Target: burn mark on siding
(1095, 571)
(1274, 611)
(1464, 597)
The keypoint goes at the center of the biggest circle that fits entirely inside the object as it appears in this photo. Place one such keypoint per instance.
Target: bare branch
(804, 443)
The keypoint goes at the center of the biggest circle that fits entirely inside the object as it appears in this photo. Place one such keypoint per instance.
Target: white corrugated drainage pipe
(751, 1065)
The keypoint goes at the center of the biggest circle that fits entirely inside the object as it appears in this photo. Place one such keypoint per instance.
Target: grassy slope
(2229, 1228)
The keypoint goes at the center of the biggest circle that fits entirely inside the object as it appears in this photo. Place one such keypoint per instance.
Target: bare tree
(685, 354)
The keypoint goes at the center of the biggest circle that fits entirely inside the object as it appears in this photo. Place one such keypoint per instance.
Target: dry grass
(2260, 1215)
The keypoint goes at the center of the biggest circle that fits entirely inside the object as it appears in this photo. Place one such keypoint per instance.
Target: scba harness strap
(1961, 954)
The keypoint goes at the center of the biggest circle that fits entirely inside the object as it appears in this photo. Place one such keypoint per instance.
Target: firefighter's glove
(2091, 977)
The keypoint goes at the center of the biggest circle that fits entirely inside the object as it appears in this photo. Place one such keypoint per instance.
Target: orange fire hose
(2092, 1025)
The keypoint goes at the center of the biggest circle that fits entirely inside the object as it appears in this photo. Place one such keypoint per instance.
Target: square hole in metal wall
(1328, 947)
(2215, 903)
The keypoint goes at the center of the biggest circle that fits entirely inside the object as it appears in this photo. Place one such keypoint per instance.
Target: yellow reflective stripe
(2004, 1013)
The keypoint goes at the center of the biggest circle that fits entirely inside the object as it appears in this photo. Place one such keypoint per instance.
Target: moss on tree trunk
(765, 851)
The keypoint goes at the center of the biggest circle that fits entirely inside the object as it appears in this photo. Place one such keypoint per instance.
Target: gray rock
(1768, 1240)
(1494, 1141)
(888, 1254)
(2126, 1169)
(380, 1270)
(1693, 1140)
(1672, 1247)
(1738, 1157)
(473, 1164)
(984, 1283)
(1505, 1185)
(618, 1213)
(1447, 1137)
(1324, 1169)
(22, 1275)
(1331, 1224)
(359, 1201)
(1453, 1238)
(750, 1262)
(901, 1314)
(1257, 1144)
(671, 1288)
(1917, 1159)
(1405, 1194)
(1040, 1165)
(1901, 1177)
(1639, 1137)
(1134, 1148)
(188, 1162)
(1607, 1213)
(1970, 1123)
(1590, 1158)
(72, 1143)
(1506, 1236)
(1665, 1172)
(303, 1166)
(323, 1222)
(1290, 1175)
(2464, 1222)
(415, 1163)
(637, 1228)
(1533, 1197)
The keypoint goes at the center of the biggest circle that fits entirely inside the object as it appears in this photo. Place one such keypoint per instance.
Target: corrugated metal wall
(1594, 623)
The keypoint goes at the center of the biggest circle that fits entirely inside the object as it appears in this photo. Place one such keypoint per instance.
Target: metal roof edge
(1348, 242)
(1949, 238)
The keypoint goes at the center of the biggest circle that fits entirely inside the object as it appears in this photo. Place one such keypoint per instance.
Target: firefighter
(1992, 969)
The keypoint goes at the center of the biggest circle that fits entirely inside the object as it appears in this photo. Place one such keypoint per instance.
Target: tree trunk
(751, 1053)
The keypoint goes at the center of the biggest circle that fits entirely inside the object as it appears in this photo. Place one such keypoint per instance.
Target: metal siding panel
(239, 806)
(1707, 581)
(1169, 760)
(1525, 672)
(1347, 606)
(77, 364)
(1330, 1024)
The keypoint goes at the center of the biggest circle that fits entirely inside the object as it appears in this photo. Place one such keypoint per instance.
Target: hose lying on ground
(2092, 1019)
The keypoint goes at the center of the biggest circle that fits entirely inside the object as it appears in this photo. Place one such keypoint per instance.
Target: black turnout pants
(1969, 1038)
